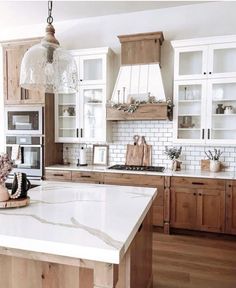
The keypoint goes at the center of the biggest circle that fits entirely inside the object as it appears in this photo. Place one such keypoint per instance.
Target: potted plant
(173, 154)
(214, 159)
(5, 169)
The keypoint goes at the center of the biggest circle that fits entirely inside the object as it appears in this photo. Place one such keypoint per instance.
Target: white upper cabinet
(81, 117)
(204, 58)
(205, 91)
(190, 63)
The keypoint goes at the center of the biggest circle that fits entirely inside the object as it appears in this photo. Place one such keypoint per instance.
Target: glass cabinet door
(93, 112)
(66, 113)
(191, 63)
(222, 60)
(222, 105)
(92, 69)
(188, 112)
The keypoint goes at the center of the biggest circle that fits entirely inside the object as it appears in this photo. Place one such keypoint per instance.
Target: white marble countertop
(183, 173)
(86, 221)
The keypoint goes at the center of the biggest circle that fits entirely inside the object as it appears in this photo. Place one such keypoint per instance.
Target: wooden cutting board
(138, 155)
(147, 155)
(134, 155)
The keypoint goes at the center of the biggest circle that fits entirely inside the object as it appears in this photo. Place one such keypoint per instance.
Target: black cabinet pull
(85, 176)
(58, 175)
(200, 194)
(77, 132)
(140, 227)
(81, 132)
(204, 73)
(194, 194)
(203, 132)
(197, 183)
(208, 133)
(209, 72)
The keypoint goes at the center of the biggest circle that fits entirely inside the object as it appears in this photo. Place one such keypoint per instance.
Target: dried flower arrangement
(215, 155)
(5, 167)
(173, 153)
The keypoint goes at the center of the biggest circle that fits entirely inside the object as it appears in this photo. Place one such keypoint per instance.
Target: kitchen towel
(16, 154)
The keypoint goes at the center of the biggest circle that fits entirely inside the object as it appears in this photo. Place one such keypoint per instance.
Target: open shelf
(144, 112)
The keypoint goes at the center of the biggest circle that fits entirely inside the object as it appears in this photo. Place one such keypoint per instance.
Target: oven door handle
(25, 145)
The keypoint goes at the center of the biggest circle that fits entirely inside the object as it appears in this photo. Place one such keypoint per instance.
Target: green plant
(173, 152)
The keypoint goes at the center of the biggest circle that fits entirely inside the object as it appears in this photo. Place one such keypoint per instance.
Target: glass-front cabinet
(222, 110)
(205, 90)
(205, 111)
(205, 61)
(190, 63)
(81, 117)
(93, 112)
(66, 110)
(188, 117)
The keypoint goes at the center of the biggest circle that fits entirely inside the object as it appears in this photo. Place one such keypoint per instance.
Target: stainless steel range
(138, 168)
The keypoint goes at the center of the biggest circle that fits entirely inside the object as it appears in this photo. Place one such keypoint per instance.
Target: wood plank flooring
(193, 262)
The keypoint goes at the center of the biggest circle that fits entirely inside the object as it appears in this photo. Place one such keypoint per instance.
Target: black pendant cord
(50, 18)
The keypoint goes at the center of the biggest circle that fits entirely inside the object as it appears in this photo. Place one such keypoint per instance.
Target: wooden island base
(24, 269)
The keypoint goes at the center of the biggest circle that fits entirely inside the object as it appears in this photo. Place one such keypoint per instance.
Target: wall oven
(27, 120)
(30, 149)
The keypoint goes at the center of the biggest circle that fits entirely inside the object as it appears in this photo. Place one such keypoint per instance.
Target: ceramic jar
(214, 165)
(220, 109)
(4, 195)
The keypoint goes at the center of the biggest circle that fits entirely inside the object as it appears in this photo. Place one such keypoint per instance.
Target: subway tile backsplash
(158, 134)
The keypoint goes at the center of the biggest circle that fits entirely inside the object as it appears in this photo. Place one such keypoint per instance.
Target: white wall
(190, 21)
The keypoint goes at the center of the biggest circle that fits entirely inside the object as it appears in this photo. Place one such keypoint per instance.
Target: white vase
(4, 195)
(214, 165)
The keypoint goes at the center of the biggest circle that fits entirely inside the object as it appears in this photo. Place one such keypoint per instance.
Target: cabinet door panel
(221, 113)
(183, 208)
(14, 94)
(189, 112)
(191, 63)
(211, 210)
(222, 60)
(231, 207)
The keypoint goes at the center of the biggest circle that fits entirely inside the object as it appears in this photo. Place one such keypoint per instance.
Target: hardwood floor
(193, 262)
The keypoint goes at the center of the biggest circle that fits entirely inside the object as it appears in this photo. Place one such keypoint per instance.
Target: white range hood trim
(138, 81)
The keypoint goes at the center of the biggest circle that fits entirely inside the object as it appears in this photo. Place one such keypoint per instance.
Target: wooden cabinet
(231, 207)
(198, 204)
(13, 53)
(204, 74)
(145, 181)
(81, 117)
(87, 177)
(58, 175)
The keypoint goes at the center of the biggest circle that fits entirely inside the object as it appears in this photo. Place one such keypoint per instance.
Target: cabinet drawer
(87, 177)
(133, 180)
(58, 175)
(197, 183)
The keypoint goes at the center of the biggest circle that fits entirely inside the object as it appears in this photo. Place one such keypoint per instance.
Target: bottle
(220, 109)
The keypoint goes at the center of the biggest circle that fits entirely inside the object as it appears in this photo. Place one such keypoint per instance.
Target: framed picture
(100, 154)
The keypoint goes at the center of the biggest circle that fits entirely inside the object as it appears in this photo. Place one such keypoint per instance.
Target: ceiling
(18, 13)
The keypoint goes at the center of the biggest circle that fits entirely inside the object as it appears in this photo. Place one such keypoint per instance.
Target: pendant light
(47, 67)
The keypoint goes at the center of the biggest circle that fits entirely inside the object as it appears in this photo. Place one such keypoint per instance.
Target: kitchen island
(78, 236)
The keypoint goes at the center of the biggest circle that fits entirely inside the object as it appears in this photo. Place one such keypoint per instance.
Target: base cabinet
(145, 181)
(198, 204)
(231, 207)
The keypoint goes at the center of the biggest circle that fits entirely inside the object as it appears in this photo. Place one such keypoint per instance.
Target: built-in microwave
(27, 120)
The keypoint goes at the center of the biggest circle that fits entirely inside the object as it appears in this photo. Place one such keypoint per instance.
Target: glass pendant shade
(49, 68)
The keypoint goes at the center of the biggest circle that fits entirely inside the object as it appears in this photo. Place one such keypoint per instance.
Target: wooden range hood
(140, 75)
